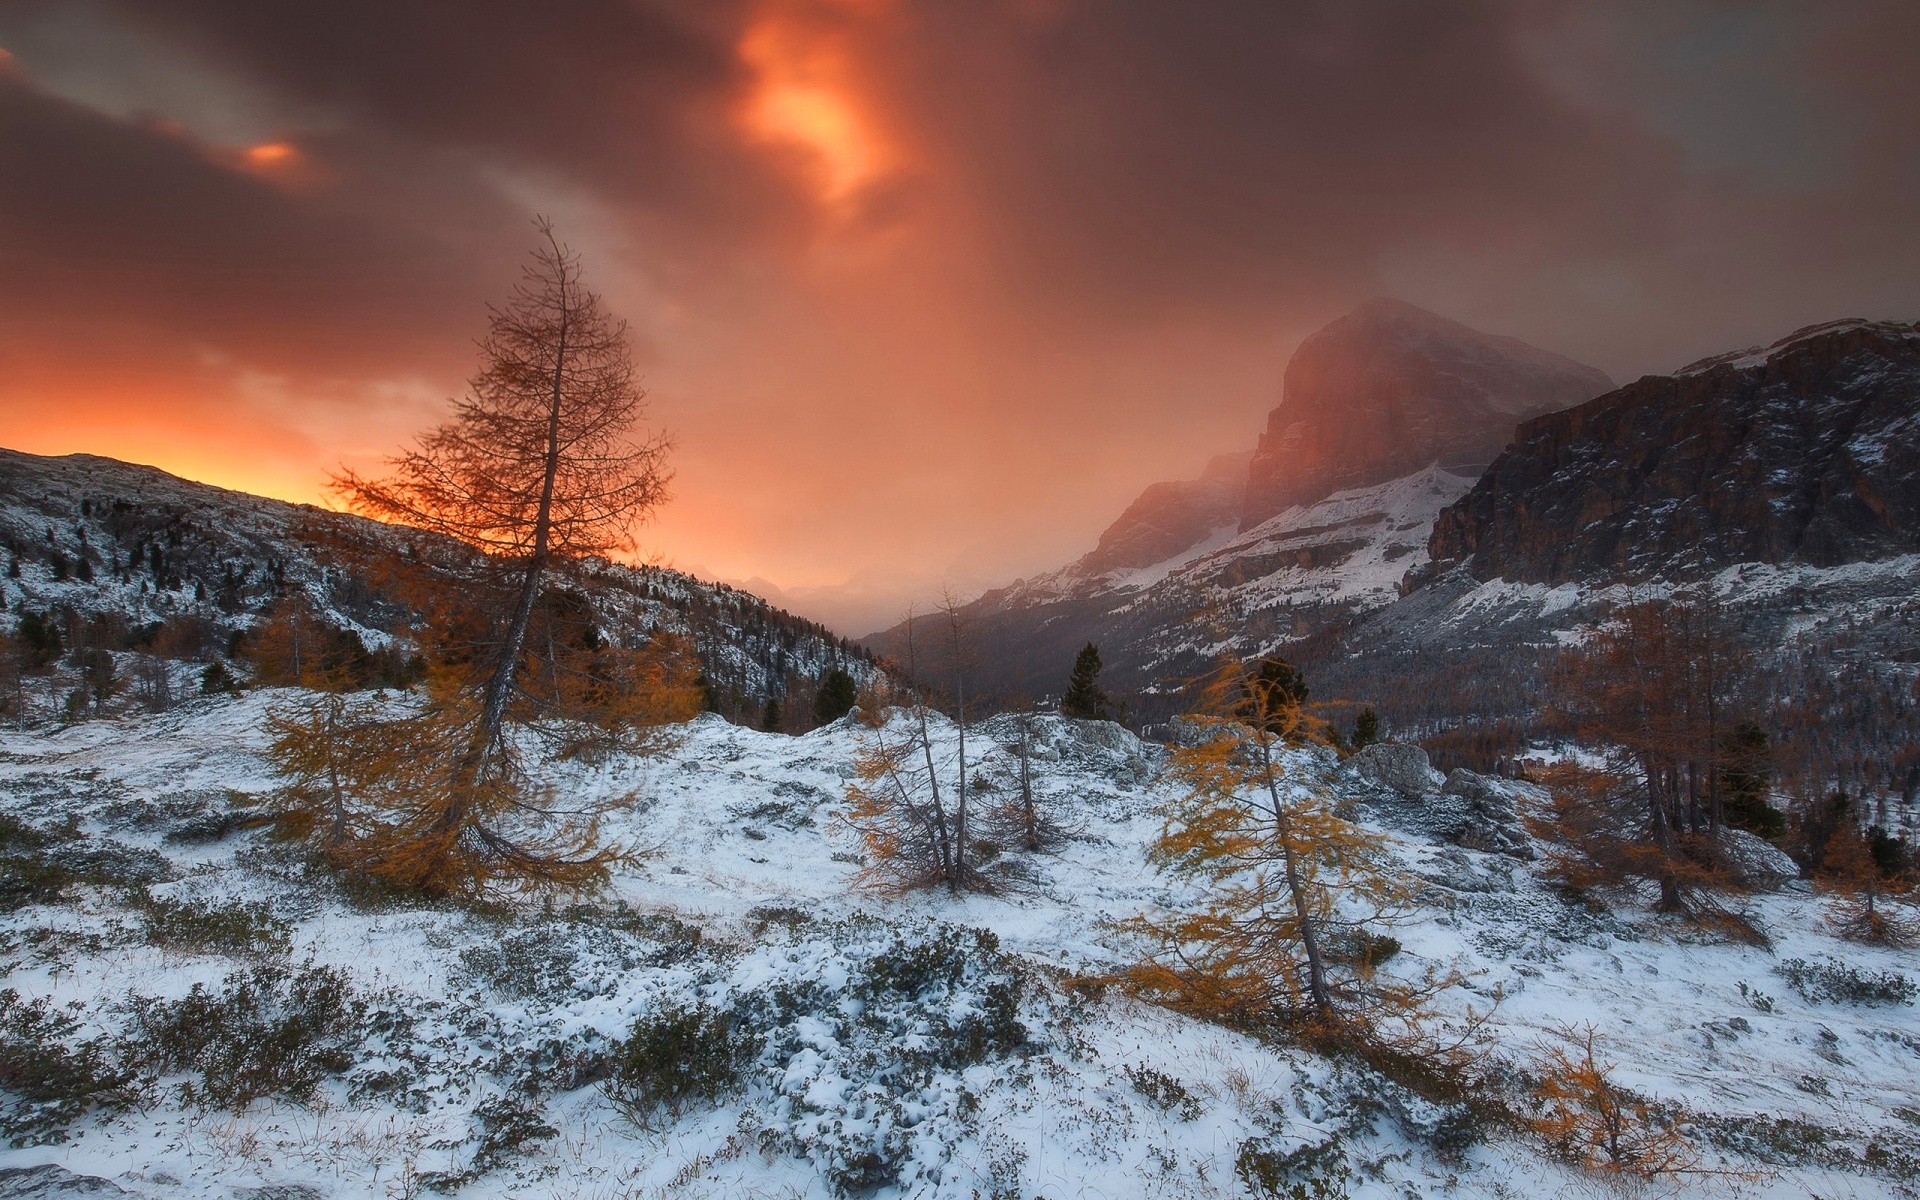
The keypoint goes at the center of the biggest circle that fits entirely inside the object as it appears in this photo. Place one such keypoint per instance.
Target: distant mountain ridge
(1807, 450)
(1387, 416)
(95, 536)
(1391, 388)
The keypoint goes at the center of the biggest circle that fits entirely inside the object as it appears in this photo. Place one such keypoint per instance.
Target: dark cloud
(965, 238)
(115, 224)
(1154, 152)
(624, 95)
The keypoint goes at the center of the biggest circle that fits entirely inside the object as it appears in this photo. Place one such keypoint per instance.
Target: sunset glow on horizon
(926, 293)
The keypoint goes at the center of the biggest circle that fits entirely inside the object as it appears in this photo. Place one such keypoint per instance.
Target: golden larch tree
(1293, 892)
(538, 469)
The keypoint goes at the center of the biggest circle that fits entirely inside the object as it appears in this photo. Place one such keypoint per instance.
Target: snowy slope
(158, 547)
(1307, 568)
(901, 1050)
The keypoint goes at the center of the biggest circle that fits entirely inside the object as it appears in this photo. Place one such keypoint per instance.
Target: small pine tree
(1746, 778)
(1283, 937)
(39, 641)
(836, 697)
(1274, 692)
(102, 683)
(1588, 1120)
(1870, 903)
(770, 715)
(216, 680)
(1083, 697)
(1366, 729)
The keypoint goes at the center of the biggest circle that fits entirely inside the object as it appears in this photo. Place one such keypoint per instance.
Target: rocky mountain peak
(1805, 451)
(1391, 388)
(1168, 518)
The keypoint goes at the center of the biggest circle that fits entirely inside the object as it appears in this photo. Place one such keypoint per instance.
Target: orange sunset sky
(926, 292)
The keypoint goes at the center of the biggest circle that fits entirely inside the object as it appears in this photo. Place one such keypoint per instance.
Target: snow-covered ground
(926, 1046)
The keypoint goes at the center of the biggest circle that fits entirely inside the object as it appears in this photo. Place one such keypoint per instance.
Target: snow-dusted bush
(676, 1055)
(1835, 982)
(199, 924)
(47, 1078)
(271, 1030)
(854, 1044)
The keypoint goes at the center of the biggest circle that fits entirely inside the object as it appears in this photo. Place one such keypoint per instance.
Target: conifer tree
(345, 761)
(1653, 687)
(39, 644)
(1869, 903)
(1285, 938)
(770, 715)
(915, 831)
(1083, 697)
(1746, 776)
(101, 680)
(536, 470)
(1590, 1121)
(835, 697)
(1366, 729)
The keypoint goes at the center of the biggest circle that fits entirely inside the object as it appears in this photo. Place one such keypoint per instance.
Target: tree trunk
(1317, 989)
(960, 796)
(493, 708)
(1030, 819)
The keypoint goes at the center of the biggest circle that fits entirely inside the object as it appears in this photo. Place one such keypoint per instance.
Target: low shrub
(587, 953)
(507, 1127)
(271, 1030)
(1166, 1092)
(923, 971)
(37, 866)
(1364, 948)
(202, 926)
(677, 1055)
(1315, 1171)
(1835, 982)
(48, 1081)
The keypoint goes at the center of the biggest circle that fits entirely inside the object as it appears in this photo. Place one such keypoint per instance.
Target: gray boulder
(53, 1182)
(1403, 770)
(1490, 820)
(1756, 862)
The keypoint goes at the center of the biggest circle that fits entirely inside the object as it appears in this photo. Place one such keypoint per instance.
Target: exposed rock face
(1756, 862)
(1391, 388)
(52, 1181)
(1403, 770)
(1338, 507)
(1806, 451)
(1171, 517)
(1490, 820)
(1463, 808)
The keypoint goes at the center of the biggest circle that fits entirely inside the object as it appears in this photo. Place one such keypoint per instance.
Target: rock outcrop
(54, 1182)
(1389, 389)
(1168, 518)
(1403, 770)
(1489, 816)
(1806, 451)
(1756, 862)
(1462, 808)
